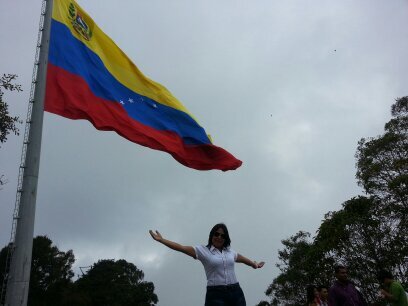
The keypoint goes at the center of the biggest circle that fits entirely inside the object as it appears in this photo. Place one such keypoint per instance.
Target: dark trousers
(230, 295)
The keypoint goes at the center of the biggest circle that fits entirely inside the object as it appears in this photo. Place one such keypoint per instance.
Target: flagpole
(24, 213)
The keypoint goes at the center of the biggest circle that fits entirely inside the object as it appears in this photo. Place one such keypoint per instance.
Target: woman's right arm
(188, 250)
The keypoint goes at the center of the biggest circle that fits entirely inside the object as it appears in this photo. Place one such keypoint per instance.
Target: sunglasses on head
(217, 234)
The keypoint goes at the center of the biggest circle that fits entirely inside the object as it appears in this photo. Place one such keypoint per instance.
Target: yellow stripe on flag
(118, 64)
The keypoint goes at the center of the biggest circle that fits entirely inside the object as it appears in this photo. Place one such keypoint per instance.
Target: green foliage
(382, 162)
(7, 123)
(113, 283)
(3, 258)
(295, 260)
(107, 283)
(351, 237)
(51, 272)
(382, 169)
(302, 262)
(367, 234)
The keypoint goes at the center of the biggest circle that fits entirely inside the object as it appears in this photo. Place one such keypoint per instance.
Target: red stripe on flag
(68, 95)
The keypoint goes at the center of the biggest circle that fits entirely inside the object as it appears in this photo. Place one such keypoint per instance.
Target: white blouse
(218, 266)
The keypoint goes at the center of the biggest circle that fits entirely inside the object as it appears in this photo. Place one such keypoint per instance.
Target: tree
(352, 237)
(3, 277)
(107, 283)
(382, 170)
(382, 162)
(297, 268)
(7, 123)
(369, 233)
(116, 283)
(51, 272)
(349, 236)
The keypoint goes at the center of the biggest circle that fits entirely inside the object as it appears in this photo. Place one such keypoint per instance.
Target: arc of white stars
(130, 100)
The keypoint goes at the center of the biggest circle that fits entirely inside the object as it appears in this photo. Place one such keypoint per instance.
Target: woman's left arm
(253, 264)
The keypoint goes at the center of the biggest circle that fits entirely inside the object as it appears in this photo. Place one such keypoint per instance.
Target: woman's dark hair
(383, 274)
(319, 288)
(227, 240)
(310, 293)
(337, 268)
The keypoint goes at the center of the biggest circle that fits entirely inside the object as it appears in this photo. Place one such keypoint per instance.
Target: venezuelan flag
(89, 77)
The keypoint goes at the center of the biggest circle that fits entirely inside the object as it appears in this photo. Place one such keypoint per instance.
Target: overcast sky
(288, 87)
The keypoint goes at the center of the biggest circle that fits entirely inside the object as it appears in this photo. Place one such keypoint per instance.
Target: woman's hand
(248, 262)
(188, 250)
(257, 265)
(156, 235)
